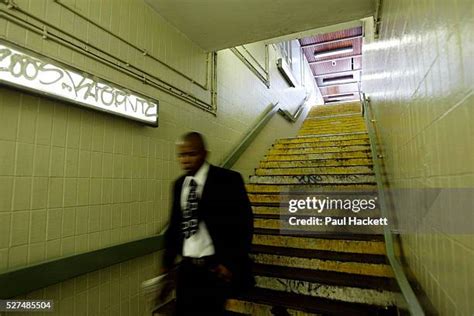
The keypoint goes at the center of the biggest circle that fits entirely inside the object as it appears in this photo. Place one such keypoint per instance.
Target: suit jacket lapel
(207, 185)
(179, 190)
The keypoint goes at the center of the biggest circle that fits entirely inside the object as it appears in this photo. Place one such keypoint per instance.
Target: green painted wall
(419, 78)
(74, 180)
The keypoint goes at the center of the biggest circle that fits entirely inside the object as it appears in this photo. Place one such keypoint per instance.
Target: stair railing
(295, 116)
(249, 137)
(414, 305)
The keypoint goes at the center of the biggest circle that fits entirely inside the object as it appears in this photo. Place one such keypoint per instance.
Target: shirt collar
(201, 175)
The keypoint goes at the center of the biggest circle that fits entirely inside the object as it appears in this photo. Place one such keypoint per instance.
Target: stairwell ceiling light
(338, 80)
(335, 82)
(333, 52)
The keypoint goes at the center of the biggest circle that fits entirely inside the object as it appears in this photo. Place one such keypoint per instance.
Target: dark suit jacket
(226, 210)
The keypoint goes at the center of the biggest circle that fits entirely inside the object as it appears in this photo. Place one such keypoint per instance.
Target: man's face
(191, 156)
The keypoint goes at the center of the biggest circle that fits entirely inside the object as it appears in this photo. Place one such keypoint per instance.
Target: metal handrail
(235, 154)
(294, 117)
(414, 305)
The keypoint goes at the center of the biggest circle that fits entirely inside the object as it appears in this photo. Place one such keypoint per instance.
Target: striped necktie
(190, 212)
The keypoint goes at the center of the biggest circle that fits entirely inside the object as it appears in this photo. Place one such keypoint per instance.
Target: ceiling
(338, 74)
(219, 24)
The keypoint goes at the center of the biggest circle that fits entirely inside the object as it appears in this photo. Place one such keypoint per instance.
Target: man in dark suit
(211, 227)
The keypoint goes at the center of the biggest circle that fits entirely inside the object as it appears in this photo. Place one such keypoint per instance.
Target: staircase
(337, 270)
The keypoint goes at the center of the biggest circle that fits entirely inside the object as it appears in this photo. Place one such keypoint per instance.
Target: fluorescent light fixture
(339, 79)
(333, 52)
(35, 73)
(342, 81)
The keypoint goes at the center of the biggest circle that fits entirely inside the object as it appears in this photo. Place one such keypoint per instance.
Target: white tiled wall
(419, 78)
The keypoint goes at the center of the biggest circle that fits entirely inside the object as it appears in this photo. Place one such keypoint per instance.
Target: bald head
(191, 152)
(196, 139)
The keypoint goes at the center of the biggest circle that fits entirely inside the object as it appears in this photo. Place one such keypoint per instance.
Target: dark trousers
(199, 291)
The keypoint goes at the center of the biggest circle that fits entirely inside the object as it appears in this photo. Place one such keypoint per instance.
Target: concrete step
(326, 277)
(314, 188)
(315, 170)
(315, 179)
(317, 116)
(282, 223)
(320, 254)
(266, 210)
(316, 150)
(323, 117)
(335, 109)
(326, 155)
(347, 243)
(380, 270)
(267, 302)
(319, 138)
(277, 198)
(315, 131)
(261, 301)
(333, 123)
(350, 142)
(316, 163)
(355, 115)
(353, 288)
(249, 306)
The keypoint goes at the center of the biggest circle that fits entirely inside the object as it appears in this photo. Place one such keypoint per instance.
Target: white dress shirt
(199, 244)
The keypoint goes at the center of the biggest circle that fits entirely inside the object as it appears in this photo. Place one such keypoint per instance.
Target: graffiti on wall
(23, 70)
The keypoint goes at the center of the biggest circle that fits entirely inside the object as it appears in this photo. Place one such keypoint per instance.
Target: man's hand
(222, 272)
